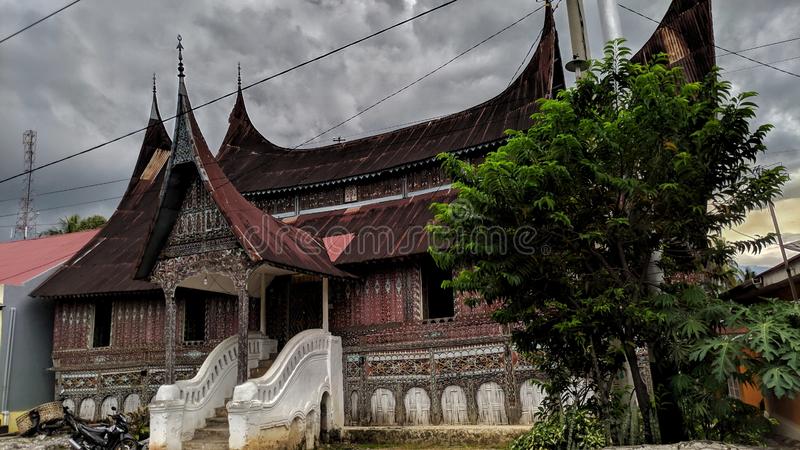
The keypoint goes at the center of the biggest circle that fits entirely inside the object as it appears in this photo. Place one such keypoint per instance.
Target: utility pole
(609, 19)
(577, 37)
(26, 219)
(783, 252)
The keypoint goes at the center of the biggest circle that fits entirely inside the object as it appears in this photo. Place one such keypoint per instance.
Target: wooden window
(350, 194)
(194, 323)
(101, 337)
(437, 302)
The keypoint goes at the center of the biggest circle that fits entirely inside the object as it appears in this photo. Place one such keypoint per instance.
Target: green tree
(74, 222)
(562, 226)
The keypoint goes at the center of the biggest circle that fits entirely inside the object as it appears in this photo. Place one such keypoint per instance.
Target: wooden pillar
(244, 310)
(263, 309)
(170, 323)
(325, 303)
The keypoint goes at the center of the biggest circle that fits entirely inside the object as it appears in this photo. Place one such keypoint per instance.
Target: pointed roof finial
(180, 57)
(239, 72)
(154, 83)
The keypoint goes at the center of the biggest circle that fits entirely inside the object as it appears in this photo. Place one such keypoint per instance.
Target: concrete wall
(30, 382)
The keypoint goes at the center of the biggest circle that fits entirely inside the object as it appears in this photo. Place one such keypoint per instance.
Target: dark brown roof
(263, 237)
(255, 164)
(686, 35)
(378, 231)
(108, 262)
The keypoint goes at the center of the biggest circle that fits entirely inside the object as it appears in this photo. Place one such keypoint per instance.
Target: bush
(573, 428)
(139, 422)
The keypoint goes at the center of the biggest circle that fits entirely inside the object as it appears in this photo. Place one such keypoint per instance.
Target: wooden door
(531, 396)
(354, 407)
(418, 407)
(454, 406)
(491, 405)
(383, 407)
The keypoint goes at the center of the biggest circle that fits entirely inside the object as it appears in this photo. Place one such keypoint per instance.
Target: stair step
(262, 368)
(265, 362)
(216, 420)
(214, 432)
(221, 411)
(206, 444)
(258, 372)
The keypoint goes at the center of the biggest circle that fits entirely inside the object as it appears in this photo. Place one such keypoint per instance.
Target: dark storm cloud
(83, 76)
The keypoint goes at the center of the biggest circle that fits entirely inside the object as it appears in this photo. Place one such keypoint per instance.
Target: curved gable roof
(686, 36)
(263, 237)
(107, 263)
(254, 164)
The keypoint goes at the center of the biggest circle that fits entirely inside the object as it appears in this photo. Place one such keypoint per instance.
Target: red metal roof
(254, 164)
(378, 231)
(21, 261)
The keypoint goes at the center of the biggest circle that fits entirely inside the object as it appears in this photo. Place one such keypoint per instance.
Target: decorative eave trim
(99, 294)
(392, 170)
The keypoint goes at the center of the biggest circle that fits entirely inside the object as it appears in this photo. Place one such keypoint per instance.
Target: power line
(521, 63)
(72, 189)
(38, 224)
(717, 46)
(39, 21)
(757, 66)
(761, 46)
(744, 234)
(376, 130)
(72, 205)
(421, 78)
(243, 88)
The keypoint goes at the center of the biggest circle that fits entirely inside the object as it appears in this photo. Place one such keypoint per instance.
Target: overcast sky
(84, 77)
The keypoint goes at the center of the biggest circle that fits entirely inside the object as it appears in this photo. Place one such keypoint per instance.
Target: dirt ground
(57, 442)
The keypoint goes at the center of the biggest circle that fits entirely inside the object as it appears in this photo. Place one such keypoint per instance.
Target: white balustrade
(266, 411)
(177, 410)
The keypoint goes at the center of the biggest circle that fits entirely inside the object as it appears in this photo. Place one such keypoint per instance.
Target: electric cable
(230, 94)
(27, 27)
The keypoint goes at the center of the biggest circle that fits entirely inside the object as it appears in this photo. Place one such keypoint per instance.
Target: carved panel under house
(130, 369)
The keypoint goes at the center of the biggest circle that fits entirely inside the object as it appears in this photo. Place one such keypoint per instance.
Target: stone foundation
(435, 436)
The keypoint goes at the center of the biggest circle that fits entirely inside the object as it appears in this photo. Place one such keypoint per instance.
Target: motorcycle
(112, 437)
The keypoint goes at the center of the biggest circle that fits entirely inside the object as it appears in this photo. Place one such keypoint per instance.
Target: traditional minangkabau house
(301, 276)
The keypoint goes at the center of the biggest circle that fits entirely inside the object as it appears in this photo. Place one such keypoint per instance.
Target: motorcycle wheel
(126, 444)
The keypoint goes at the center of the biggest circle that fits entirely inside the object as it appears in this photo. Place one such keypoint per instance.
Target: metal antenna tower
(26, 219)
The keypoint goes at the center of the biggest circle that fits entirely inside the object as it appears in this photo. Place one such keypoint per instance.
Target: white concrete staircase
(178, 411)
(299, 395)
(216, 433)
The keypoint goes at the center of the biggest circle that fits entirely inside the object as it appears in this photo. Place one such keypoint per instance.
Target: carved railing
(307, 373)
(177, 410)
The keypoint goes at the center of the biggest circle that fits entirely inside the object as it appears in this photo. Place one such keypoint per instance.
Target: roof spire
(154, 114)
(239, 72)
(180, 57)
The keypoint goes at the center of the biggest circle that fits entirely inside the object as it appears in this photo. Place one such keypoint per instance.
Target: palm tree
(74, 222)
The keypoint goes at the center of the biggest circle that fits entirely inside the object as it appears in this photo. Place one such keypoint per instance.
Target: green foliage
(560, 227)
(139, 422)
(571, 428)
(74, 223)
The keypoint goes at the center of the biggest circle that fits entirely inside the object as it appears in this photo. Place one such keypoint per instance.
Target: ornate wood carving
(170, 272)
(200, 226)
